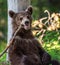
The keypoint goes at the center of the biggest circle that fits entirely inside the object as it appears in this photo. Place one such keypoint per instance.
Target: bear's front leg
(20, 46)
(46, 58)
(17, 45)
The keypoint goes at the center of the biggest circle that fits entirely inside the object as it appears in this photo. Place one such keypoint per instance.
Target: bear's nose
(26, 23)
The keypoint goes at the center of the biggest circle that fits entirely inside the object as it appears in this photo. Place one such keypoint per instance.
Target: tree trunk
(16, 6)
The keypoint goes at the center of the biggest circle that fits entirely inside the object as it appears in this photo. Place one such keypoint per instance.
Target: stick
(10, 42)
(49, 17)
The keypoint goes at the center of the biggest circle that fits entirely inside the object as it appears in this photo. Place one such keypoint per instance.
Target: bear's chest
(25, 46)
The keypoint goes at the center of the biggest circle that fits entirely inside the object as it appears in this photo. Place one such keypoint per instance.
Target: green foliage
(3, 19)
(53, 49)
(3, 28)
(42, 5)
(51, 36)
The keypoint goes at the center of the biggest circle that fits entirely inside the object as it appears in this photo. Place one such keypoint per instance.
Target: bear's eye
(21, 18)
(27, 16)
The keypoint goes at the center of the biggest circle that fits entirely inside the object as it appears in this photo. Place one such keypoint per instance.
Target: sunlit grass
(53, 49)
(2, 47)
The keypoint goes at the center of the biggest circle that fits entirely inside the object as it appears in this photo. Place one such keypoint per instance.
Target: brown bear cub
(26, 50)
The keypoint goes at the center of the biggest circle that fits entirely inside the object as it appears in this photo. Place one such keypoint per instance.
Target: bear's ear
(11, 13)
(29, 9)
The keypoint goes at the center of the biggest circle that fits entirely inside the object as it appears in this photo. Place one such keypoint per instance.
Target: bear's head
(22, 18)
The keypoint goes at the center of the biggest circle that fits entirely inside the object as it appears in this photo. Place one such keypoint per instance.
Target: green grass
(2, 47)
(53, 49)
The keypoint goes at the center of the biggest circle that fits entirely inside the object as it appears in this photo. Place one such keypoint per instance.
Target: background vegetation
(51, 41)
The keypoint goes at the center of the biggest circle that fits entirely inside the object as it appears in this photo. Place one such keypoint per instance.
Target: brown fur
(26, 50)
